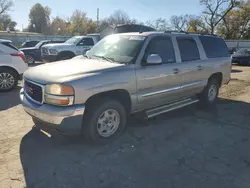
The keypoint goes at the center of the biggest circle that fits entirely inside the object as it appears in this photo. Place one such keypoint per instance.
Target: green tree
(39, 19)
(6, 23)
(80, 24)
(196, 25)
(58, 26)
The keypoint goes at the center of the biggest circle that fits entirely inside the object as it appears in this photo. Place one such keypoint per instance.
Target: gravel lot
(187, 148)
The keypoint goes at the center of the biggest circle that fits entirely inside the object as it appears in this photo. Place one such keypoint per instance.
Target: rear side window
(214, 47)
(10, 45)
(87, 42)
(188, 49)
(162, 47)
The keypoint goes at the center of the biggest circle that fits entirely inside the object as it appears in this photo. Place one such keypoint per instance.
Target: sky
(141, 10)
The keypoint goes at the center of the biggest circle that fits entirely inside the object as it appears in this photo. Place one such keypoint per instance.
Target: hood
(63, 71)
(56, 45)
(31, 48)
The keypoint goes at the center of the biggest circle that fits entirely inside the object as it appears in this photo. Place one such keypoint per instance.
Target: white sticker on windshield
(136, 38)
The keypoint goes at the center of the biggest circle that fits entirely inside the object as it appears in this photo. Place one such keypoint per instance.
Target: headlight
(53, 51)
(59, 94)
(59, 89)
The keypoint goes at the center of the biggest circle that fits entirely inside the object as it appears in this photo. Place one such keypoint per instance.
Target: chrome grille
(34, 91)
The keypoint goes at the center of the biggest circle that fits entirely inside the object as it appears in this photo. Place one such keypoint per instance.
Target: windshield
(242, 51)
(73, 40)
(118, 48)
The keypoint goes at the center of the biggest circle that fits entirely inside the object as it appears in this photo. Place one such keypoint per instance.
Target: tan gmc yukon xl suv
(123, 74)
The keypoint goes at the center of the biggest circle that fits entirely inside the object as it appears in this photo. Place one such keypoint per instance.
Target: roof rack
(175, 31)
(185, 32)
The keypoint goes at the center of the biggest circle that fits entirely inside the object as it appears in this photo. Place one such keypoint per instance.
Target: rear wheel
(210, 93)
(104, 120)
(65, 56)
(8, 79)
(30, 59)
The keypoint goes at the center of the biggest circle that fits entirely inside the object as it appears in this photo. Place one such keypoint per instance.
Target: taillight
(20, 54)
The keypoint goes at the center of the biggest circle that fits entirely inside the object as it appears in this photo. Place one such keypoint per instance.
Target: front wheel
(104, 120)
(210, 92)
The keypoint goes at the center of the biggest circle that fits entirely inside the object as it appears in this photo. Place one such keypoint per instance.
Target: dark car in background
(127, 28)
(33, 54)
(232, 50)
(242, 56)
(28, 44)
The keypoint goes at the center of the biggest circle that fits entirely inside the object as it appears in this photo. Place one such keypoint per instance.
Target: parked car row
(74, 46)
(34, 53)
(50, 51)
(13, 61)
(241, 57)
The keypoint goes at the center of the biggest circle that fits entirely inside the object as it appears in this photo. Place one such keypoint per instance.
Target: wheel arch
(10, 68)
(65, 53)
(218, 76)
(121, 95)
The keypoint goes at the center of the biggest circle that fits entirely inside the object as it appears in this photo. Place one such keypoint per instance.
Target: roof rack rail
(185, 32)
(175, 31)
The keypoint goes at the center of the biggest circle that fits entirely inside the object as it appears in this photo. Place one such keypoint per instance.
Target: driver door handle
(176, 71)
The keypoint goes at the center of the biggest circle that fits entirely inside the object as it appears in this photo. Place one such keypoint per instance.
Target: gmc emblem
(29, 90)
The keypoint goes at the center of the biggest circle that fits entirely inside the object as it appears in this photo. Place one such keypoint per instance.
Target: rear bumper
(64, 119)
(49, 58)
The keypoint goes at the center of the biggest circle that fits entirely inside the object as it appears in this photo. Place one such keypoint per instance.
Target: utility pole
(97, 19)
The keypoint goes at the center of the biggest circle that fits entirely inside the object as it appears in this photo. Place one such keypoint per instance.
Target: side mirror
(153, 59)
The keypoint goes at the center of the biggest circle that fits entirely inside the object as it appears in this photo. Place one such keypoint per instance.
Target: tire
(8, 79)
(30, 59)
(99, 110)
(210, 93)
(64, 58)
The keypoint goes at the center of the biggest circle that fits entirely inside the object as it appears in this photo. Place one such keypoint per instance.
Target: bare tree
(181, 23)
(159, 24)
(216, 10)
(5, 6)
(119, 17)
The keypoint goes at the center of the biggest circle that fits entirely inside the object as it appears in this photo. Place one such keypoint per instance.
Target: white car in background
(12, 65)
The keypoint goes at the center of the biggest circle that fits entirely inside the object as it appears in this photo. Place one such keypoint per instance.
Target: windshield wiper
(105, 58)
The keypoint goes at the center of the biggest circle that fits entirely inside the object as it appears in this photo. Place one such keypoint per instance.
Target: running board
(169, 107)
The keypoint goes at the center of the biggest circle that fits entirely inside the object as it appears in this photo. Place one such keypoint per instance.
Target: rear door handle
(175, 71)
(199, 67)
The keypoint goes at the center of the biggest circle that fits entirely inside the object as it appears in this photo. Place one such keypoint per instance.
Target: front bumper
(49, 58)
(64, 119)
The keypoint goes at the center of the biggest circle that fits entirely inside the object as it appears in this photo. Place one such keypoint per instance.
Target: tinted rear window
(9, 45)
(188, 49)
(214, 47)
